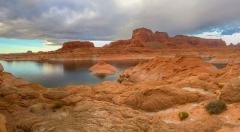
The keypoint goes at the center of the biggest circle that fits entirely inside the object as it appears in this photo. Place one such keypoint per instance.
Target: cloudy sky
(41, 25)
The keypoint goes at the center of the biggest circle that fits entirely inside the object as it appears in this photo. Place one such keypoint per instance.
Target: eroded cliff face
(143, 37)
(182, 41)
(76, 44)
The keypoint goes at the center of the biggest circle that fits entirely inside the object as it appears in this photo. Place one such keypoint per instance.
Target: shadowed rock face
(76, 44)
(1, 67)
(143, 37)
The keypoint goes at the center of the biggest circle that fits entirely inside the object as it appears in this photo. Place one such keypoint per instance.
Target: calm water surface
(59, 74)
(54, 74)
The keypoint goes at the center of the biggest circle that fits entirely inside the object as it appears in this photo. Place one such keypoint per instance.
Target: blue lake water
(54, 74)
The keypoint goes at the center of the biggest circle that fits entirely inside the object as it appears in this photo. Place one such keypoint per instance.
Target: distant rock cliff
(182, 41)
(143, 37)
(234, 45)
(76, 44)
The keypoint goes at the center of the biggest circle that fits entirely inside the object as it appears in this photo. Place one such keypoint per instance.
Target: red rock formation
(166, 68)
(234, 45)
(76, 44)
(143, 37)
(102, 68)
(182, 41)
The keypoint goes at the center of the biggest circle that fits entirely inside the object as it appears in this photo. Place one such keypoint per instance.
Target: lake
(54, 74)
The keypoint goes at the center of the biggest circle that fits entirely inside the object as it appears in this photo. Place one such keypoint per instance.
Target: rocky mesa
(76, 44)
(144, 37)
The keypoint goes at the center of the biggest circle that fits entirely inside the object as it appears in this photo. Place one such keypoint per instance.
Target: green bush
(183, 115)
(215, 107)
(57, 104)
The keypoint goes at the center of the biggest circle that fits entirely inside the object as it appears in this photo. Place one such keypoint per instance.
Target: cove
(54, 74)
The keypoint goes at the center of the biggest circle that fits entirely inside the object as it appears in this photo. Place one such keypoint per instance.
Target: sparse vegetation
(220, 86)
(57, 105)
(183, 115)
(216, 107)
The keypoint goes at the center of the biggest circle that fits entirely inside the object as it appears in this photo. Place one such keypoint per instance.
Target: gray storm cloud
(59, 20)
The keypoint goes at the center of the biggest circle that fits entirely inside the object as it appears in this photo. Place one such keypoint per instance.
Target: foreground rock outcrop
(76, 44)
(102, 68)
(148, 105)
(231, 91)
(164, 68)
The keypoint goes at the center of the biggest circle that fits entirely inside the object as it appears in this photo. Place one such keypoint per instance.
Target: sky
(43, 25)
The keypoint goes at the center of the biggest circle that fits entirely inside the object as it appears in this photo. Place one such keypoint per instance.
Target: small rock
(102, 68)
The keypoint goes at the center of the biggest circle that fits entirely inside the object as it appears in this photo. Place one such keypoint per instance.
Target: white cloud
(56, 21)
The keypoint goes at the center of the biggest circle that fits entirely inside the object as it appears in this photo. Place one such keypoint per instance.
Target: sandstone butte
(76, 44)
(102, 68)
(143, 37)
(149, 98)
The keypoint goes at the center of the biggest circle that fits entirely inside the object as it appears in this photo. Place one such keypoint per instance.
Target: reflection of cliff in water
(71, 66)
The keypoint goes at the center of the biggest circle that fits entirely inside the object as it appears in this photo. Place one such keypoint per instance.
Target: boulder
(231, 91)
(102, 68)
(76, 44)
(1, 68)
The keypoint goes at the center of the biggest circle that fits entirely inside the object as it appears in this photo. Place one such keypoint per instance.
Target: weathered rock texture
(111, 106)
(143, 37)
(231, 91)
(102, 68)
(164, 68)
(76, 44)
(1, 67)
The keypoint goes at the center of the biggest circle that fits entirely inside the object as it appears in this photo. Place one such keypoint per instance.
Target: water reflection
(63, 73)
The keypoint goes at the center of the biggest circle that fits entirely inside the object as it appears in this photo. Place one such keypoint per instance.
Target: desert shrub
(183, 115)
(220, 86)
(215, 107)
(57, 104)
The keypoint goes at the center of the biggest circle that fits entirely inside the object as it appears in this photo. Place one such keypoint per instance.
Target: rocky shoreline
(147, 103)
